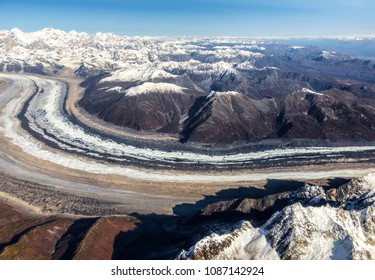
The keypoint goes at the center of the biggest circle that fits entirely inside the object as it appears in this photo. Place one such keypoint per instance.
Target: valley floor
(42, 145)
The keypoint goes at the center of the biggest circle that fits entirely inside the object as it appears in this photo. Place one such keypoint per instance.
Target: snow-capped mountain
(334, 224)
(50, 49)
(282, 91)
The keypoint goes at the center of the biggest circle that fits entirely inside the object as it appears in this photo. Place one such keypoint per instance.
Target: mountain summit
(261, 89)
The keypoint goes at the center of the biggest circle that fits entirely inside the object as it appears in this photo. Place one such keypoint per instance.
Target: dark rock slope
(25, 236)
(299, 93)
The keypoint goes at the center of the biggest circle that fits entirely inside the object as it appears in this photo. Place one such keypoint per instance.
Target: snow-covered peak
(107, 37)
(322, 224)
(50, 31)
(150, 87)
(328, 54)
(306, 90)
(161, 74)
(358, 193)
(22, 37)
(366, 183)
(16, 31)
(139, 59)
(324, 232)
(114, 89)
(310, 194)
(241, 241)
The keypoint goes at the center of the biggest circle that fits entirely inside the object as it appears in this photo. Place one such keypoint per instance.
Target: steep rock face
(225, 117)
(269, 78)
(305, 114)
(331, 115)
(308, 222)
(300, 232)
(37, 242)
(96, 245)
(242, 241)
(143, 109)
(317, 224)
(274, 82)
(316, 62)
(272, 104)
(32, 237)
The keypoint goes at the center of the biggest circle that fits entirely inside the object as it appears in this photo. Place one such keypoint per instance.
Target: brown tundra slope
(274, 104)
(30, 237)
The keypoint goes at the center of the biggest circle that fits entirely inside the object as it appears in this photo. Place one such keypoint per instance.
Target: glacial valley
(221, 148)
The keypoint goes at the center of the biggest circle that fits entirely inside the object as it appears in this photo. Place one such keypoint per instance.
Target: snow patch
(306, 90)
(157, 74)
(228, 92)
(46, 118)
(149, 87)
(118, 89)
(328, 54)
(239, 242)
(306, 230)
(297, 47)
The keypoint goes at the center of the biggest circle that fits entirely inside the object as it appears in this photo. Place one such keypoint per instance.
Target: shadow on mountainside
(163, 236)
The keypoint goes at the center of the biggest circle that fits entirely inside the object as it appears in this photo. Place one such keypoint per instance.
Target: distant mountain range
(208, 100)
(216, 90)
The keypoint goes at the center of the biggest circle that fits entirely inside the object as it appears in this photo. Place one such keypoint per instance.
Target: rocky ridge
(261, 89)
(317, 224)
(308, 222)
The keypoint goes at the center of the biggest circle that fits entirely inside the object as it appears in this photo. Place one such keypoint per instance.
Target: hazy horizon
(306, 37)
(194, 18)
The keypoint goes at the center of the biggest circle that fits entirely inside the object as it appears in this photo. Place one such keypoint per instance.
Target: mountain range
(183, 98)
(316, 224)
(216, 90)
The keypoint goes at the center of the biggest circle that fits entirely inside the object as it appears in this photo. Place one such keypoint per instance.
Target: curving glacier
(38, 104)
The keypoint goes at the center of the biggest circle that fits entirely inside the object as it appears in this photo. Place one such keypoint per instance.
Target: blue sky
(194, 17)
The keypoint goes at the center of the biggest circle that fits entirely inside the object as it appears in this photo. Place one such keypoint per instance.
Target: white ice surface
(149, 87)
(45, 114)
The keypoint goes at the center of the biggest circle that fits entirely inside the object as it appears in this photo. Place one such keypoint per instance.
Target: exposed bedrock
(158, 112)
(283, 220)
(310, 222)
(37, 119)
(250, 106)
